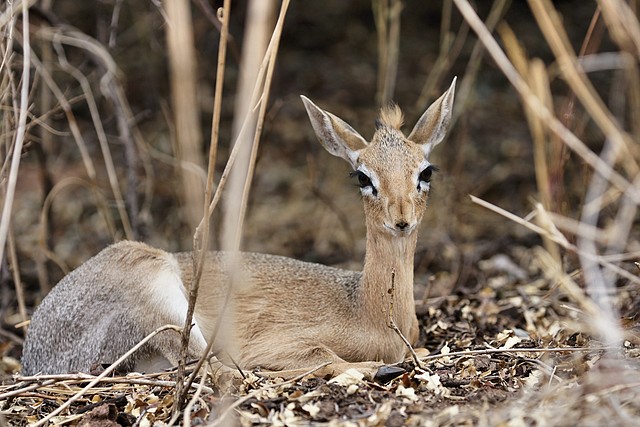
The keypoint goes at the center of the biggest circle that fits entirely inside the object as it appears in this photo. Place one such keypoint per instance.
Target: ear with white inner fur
(434, 123)
(336, 135)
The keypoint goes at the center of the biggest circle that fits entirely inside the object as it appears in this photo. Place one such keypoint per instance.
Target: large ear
(434, 123)
(337, 137)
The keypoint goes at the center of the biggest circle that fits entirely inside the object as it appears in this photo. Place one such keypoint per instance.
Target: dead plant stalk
(537, 107)
(259, 99)
(391, 323)
(20, 133)
(556, 237)
(201, 235)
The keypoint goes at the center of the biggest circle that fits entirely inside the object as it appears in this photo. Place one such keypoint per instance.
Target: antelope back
(393, 170)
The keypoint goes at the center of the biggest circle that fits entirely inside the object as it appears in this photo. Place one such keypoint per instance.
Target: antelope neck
(389, 258)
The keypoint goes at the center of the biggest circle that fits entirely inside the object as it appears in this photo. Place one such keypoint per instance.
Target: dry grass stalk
(391, 323)
(259, 99)
(387, 19)
(258, 28)
(186, 417)
(558, 238)
(599, 283)
(467, 84)
(468, 353)
(19, 135)
(183, 75)
(534, 72)
(558, 41)
(265, 86)
(111, 88)
(26, 384)
(570, 139)
(15, 271)
(64, 184)
(100, 133)
(82, 41)
(201, 235)
(623, 24)
(450, 48)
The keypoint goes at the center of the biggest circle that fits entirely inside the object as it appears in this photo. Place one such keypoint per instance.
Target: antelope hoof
(388, 372)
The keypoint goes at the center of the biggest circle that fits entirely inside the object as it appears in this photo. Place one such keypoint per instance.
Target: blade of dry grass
(111, 88)
(387, 19)
(201, 235)
(184, 94)
(623, 24)
(556, 237)
(598, 283)
(258, 29)
(20, 133)
(498, 9)
(450, 48)
(259, 99)
(64, 184)
(570, 139)
(15, 271)
(101, 135)
(551, 26)
(534, 72)
(270, 56)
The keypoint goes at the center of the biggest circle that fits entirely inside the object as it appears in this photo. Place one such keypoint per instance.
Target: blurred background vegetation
(302, 201)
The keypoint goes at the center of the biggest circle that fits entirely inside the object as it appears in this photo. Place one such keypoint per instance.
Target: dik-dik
(287, 314)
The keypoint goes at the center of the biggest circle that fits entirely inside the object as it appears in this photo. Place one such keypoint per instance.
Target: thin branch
(391, 323)
(552, 29)
(186, 420)
(15, 270)
(67, 379)
(514, 350)
(100, 133)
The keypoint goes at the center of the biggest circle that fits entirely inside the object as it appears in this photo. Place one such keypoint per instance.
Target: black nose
(401, 225)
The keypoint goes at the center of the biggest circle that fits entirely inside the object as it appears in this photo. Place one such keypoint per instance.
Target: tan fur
(392, 116)
(281, 313)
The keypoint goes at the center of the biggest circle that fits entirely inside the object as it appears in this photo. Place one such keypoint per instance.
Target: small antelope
(287, 314)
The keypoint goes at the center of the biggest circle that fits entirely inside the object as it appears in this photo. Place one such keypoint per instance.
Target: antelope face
(394, 178)
(393, 171)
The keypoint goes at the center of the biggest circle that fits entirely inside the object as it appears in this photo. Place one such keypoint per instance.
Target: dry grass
(544, 334)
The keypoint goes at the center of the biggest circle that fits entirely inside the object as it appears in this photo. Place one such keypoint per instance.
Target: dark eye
(426, 173)
(364, 181)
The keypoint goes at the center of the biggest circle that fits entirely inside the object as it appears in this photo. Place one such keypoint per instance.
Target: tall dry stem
(608, 186)
(257, 30)
(201, 234)
(258, 103)
(554, 125)
(551, 26)
(20, 132)
(387, 18)
(184, 94)
(535, 73)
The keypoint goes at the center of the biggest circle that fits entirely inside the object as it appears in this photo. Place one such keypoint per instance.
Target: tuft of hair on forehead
(391, 116)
